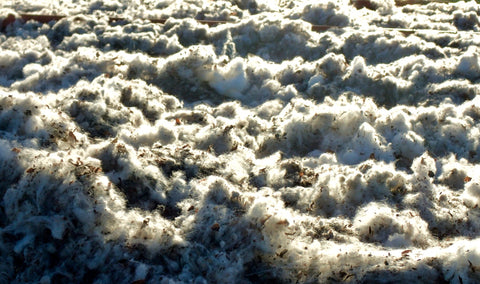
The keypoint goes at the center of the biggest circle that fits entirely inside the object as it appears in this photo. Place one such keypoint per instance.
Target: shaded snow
(252, 151)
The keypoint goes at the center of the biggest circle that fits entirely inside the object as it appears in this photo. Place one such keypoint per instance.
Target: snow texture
(252, 151)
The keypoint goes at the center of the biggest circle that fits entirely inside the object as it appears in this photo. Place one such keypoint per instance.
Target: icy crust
(248, 152)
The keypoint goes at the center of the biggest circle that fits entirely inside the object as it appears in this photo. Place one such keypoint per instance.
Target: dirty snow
(253, 151)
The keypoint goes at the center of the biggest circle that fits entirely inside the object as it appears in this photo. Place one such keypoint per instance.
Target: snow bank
(252, 151)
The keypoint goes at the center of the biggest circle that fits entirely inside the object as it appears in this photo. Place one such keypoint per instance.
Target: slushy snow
(252, 151)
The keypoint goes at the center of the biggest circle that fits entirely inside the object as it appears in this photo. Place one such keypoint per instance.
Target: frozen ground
(253, 151)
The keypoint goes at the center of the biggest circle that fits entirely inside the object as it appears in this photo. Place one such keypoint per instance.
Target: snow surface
(252, 151)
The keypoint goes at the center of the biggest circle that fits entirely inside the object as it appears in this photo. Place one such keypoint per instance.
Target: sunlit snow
(256, 150)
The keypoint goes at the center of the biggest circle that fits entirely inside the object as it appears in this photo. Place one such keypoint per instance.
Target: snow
(252, 151)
